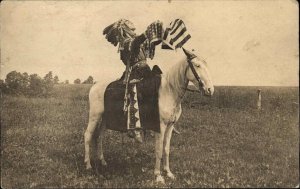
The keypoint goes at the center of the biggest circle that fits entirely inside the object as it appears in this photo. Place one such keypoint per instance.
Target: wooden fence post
(259, 99)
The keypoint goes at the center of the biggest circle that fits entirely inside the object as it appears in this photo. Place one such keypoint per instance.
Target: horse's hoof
(138, 139)
(160, 179)
(103, 162)
(88, 166)
(171, 175)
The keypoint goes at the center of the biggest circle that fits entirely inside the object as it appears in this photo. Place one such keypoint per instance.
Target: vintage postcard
(147, 94)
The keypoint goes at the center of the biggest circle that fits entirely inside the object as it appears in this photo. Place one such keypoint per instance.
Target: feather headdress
(119, 31)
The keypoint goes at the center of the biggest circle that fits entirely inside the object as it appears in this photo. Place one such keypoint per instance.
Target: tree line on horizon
(17, 83)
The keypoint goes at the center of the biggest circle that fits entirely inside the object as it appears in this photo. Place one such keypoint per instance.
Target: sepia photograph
(149, 94)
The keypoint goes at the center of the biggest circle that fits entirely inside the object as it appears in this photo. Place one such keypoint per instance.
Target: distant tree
(26, 79)
(25, 83)
(14, 83)
(77, 81)
(36, 87)
(48, 77)
(67, 82)
(2, 87)
(89, 80)
(55, 79)
(48, 83)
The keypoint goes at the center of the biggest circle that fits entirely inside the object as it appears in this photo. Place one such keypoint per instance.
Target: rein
(192, 90)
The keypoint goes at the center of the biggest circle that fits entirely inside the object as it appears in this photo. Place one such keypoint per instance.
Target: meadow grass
(224, 142)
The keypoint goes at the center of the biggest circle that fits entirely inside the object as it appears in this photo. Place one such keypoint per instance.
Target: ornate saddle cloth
(147, 96)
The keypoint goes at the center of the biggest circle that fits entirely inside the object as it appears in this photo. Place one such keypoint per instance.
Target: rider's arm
(132, 47)
(136, 43)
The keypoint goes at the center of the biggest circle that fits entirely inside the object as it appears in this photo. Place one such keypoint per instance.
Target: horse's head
(198, 73)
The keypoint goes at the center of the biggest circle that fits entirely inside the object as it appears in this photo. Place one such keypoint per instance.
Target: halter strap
(200, 83)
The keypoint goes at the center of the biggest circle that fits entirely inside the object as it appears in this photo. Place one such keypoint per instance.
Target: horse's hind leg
(89, 135)
(99, 149)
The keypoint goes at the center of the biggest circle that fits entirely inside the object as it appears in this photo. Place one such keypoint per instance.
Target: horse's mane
(175, 76)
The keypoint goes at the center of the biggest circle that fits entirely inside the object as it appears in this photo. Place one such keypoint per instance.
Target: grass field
(224, 142)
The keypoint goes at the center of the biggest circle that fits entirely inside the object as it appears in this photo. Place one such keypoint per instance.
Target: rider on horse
(133, 53)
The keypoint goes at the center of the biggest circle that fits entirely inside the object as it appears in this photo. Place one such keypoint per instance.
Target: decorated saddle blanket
(147, 97)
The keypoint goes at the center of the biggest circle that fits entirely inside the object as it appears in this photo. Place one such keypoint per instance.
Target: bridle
(200, 83)
(190, 56)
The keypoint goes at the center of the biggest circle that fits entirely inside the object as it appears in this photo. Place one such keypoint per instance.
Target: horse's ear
(188, 54)
(185, 52)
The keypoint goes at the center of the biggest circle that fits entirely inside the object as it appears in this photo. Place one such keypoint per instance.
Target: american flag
(176, 35)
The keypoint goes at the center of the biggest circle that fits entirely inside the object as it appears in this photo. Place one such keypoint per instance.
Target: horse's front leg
(167, 141)
(159, 140)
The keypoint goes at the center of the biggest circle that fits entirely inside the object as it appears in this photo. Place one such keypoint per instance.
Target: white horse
(173, 87)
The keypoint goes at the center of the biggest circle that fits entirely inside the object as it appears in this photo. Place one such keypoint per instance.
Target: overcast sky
(244, 42)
